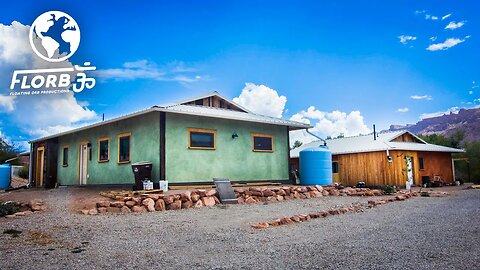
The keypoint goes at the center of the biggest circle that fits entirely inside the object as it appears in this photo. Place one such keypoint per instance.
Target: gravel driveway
(420, 233)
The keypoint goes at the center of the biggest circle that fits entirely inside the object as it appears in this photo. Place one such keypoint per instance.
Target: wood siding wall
(374, 169)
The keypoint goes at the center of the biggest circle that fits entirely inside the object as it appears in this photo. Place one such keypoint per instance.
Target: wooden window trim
(423, 164)
(63, 155)
(211, 131)
(108, 156)
(262, 135)
(122, 135)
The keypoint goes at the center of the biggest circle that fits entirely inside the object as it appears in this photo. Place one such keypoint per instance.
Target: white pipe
(30, 165)
(324, 142)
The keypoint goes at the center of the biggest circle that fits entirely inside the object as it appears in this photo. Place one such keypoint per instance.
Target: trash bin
(426, 181)
(142, 171)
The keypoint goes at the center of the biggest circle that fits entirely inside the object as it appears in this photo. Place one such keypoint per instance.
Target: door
(409, 161)
(39, 166)
(83, 164)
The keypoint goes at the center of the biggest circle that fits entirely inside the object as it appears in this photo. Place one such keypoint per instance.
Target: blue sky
(368, 57)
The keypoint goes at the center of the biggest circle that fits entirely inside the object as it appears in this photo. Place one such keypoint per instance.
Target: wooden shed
(389, 158)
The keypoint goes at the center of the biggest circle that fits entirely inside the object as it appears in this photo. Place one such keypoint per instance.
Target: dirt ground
(419, 233)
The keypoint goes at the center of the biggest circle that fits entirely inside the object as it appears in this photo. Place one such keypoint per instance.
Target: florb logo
(54, 37)
(59, 35)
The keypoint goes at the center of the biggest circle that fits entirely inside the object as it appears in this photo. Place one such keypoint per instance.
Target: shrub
(389, 189)
(23, 172)
(8, 208)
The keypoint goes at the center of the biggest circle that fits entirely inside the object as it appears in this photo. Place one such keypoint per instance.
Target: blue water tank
(5, 176)
(316, 166)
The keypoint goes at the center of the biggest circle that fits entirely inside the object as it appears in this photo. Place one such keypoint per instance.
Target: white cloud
(7, 103)
(433, 38)
(446, 16)
(38, 114)
(431, 17)
(404, 39)
(454, 25)
(425, 97)
(447, 44)
(403, 110)
(452, 110)
(470, 92)
(144, 69)
(328, 124)
(261, 99)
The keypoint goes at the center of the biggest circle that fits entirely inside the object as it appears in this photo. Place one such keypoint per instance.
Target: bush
(23, 172)
(8, 208)
(389, 190)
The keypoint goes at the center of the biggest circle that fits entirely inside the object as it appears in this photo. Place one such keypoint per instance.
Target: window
(65, 156)
(334, 167)
(103, 149)
(124, 148)
(202, 138)
(262, 142)
(199, 102)
(420, 164)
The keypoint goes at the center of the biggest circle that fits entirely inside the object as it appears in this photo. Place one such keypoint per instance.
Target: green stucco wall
(144, 146)
(232, 159)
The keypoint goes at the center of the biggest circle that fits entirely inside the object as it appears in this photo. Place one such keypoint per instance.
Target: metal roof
(366, 143)
(211, 94)
(197, 111)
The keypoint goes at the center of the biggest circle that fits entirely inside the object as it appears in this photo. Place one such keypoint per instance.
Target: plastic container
(163, 185)
(142, 171)
(5, 176)
(316, 166)
(147, 185)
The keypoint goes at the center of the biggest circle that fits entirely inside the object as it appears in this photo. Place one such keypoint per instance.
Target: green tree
(297, 144)
(7, 151)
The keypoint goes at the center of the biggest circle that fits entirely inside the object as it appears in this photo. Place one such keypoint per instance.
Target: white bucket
(163, 185)
(147, 185)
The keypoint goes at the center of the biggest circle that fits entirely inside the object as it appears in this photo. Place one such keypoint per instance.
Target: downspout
(324, 142)
(30, 165)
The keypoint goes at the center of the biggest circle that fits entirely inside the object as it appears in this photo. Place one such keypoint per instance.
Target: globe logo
(54, 36)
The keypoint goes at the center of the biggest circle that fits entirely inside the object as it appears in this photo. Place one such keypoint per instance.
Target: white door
(83, 164)
(409, 170)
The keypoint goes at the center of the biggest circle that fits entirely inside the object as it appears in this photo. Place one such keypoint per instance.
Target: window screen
(103, 150)
(202, 139)
(262, 143)
(65, 156)
(124, 149)
(420, 164)
(335, 167)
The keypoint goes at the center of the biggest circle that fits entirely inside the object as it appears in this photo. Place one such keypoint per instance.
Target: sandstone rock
(307, 195)
(280, 198)
(319, 188)
(150, 204)
(85, 211)
(325, 193)
(103, 204)
(334, 212)
(118, 204)
(130, 203)
(334, 192)
(262, 225)
(217, 200)
(257, 193)
(400, 198)
(139, 209)
(186, 196)
(176, 197)
(125, 209)
(93, 211)
(175, 205)
(211, 192)
(281, 192)
(154, 196)
(160, 205)
(295, 218)
(201, 192)
(111, 209)
(250, 200)
(257, 189)
(369, 193)
(126, 199)
(187, 204)
(102, 210)
(137, 200)
(269, 193)
(38, 206)
(168, 199)
(314, 215)
(198, 204)
(274, 223)
(208, 201)
(195, 197)
(241, 200)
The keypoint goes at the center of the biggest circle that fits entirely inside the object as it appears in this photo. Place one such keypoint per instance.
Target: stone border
(206, 198)
(354, 208)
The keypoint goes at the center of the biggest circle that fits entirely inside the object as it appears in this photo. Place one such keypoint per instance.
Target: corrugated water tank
(316, 166)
